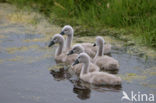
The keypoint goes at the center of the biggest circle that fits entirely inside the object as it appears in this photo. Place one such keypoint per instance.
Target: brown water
(25, 76)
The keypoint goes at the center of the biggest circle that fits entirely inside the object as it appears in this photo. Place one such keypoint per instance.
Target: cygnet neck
(100, 49)
(69, 41)
(60, 48)
(85, 68)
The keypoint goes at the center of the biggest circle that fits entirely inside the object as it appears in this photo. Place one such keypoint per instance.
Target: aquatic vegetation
(30, 59)
(56, 67)
(150, 71)
(32, 20)
(91, 39)
(21, 49)
(144, 74)
(2, 36)
(17, 58)
(43, 39)
(149, 85)
(22, 17)
(152, 86)
(130, 77)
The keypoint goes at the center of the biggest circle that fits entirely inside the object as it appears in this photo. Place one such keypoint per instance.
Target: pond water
(25, 75)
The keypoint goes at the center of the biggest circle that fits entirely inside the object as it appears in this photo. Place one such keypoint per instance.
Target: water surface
(25, 76)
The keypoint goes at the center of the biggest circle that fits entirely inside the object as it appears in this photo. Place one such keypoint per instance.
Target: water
(25, 77)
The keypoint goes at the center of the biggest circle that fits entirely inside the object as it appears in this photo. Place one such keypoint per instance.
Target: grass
(137, 16)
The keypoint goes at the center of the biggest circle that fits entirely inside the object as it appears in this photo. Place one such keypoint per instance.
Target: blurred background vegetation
(138, 17)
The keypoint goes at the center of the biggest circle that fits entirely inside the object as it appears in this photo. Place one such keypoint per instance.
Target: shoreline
(39, 22)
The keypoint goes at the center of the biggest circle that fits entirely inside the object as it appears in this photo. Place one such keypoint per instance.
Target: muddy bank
(120, 38)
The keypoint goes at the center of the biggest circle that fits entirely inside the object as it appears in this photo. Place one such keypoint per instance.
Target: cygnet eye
(78, 50)
(55, 39)
(65, 30)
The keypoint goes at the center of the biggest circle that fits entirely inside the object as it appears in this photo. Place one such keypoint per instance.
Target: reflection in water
(111, 71)
(82, 93)
(60, 74)
(109, 54)
(81, 90)
(106, 88)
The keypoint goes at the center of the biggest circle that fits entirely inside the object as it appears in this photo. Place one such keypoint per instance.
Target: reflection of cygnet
(58, 75)
(82, 93)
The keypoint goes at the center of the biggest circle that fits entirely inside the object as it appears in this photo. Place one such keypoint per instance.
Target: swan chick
(89, 49)
(76, 49)
(60, 53)
(97, 78)
(103, 61)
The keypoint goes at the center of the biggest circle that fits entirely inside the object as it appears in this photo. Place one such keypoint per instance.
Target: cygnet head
(99, 41)
(82, 58)
(57, 38)
(67, 30)
(77, 49)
